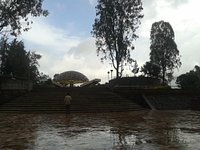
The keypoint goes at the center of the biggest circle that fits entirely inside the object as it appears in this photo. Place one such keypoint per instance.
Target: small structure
(69, 78)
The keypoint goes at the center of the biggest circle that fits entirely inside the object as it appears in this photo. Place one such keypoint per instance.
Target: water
(142, 130)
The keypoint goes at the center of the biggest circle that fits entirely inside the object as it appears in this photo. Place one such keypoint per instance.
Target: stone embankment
(174, 102)
(96, 99)
(162, 99)
(101, 99)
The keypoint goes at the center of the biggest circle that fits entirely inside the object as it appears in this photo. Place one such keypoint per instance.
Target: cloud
(82, 58)
(91, 67)
(93, 2)
(60, 6)
(62, 50)
(182, 15)
(50, 37)
(176, 3)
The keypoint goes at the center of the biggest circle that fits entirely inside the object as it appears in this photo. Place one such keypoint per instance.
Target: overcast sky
(64, 37)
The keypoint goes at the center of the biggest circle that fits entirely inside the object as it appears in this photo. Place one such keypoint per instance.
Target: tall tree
(18, 62)
(14, 14)
(4, 48)
(114, 29)
(164, 51)
(34, 73)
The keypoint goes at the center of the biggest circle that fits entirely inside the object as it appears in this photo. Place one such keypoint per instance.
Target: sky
(64, 39)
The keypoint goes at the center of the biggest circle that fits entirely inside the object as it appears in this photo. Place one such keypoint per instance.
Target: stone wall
(136, 82)
(12, 88)
(163, 99)
(13, 84)
(174, 102)
(7, 95)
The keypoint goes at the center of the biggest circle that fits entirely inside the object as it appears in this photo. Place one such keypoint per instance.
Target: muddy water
(142, 130)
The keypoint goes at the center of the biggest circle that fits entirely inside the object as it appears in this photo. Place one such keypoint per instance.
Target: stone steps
(84, 100)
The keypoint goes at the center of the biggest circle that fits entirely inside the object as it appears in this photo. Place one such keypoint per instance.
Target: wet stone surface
(131, 130)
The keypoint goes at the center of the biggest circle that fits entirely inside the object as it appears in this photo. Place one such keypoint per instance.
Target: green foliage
(34, 74)
(151, 70)
(164, 51)
(44, 81)
(4, 48)
(190, 79)
(17, 62)
(114, 29)
(15, 14)
(134, 68)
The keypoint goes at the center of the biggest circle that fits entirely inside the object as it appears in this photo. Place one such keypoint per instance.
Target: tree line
(114, 28)
(15, 61)
(190, 79)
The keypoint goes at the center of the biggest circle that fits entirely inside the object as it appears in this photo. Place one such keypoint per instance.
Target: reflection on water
(129, 130)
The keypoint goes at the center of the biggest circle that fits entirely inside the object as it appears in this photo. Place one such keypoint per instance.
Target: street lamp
(111, 71)
(108, 75)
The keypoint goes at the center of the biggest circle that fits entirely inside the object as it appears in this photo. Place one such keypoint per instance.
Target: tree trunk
(117, 70)
(163, 76)
(117, 73)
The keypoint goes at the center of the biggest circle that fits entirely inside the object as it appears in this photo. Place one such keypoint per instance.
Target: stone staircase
(96, 99)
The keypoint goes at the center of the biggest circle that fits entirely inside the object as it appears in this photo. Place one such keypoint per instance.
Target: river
(140, 130)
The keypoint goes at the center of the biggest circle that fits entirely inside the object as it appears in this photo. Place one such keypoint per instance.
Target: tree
(34, 73)
(151, 70)
(135, 69)
(164, 51)
(190, 79)
(4, 48)
(14, 15)
(17, 62)
(114, 29)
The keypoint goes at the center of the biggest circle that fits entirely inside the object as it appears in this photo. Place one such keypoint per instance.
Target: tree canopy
(16, 62)
(15, 14)
(164, 52)
(190, 79)
(114, 29)
(151, 70)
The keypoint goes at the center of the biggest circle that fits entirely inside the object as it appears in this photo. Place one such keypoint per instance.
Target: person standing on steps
(67, 102)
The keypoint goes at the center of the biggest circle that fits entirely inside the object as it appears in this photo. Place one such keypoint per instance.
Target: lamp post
(111, 71)
(108, 75)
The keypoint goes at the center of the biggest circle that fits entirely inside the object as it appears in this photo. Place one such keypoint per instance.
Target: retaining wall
(13, 84)
(163, 99)
(134, 82)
